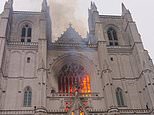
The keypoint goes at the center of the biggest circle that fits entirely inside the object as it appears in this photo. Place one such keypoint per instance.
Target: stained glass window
(71, 74)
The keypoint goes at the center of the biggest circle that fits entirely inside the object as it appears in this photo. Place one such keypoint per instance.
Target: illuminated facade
(107, 73)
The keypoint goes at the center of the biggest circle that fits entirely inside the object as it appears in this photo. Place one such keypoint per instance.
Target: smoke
(63, 14)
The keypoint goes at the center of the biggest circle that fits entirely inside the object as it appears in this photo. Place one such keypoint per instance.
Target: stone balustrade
(79, 45)
(133, 111)
(23, 43)
(58, 94)
(17, 112)
(91, 112)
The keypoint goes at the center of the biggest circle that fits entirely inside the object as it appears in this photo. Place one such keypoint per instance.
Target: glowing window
(71, 74)
(74, 77)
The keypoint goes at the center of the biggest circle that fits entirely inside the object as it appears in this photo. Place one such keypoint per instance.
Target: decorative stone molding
(111, 16)
(44, 111)
(23, 45)
(17, 112)
(40, 111)
(119, 49)
(64, 46)
(82, 59)
(27, 13)
(70, 36)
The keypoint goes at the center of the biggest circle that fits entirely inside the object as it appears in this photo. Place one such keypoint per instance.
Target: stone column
(104, 66)
(42, 62)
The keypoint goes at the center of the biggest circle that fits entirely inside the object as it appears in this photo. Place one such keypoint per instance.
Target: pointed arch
(112, 36)
(61, 63)
(26, 32)
(73, 73)
(120, 97)
(27, 97)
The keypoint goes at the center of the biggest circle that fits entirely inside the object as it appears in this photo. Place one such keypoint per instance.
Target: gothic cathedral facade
(107, 73)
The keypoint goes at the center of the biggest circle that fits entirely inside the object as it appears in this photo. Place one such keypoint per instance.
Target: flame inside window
(73, 74)
(85, 84)
(73, 77)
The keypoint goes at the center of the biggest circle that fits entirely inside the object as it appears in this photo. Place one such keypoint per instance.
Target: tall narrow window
(119, 96)
(27, 97)
(26, 33)
(112, 36)
(23, 32)
(29, 32)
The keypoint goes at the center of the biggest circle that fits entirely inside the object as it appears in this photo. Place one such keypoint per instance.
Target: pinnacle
(124, 9)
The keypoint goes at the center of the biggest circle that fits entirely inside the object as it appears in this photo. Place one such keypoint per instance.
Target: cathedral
(107, 73)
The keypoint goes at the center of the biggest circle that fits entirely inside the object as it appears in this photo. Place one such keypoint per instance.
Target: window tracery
(70, 74)
(27, 97)
(120, 97)
(26, 33)
(112, 36)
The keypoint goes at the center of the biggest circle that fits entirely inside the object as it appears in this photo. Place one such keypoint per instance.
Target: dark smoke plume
(62, 14)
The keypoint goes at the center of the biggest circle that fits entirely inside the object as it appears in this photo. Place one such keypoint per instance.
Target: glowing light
(69, 78)
(81, 113)
(66, 85)
(85, 85)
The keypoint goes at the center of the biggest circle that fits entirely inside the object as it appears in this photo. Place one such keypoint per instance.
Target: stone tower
(107, 73)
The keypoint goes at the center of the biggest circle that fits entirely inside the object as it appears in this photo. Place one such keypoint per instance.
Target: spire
(44, 5)
(10, 1)
(93, 6)
(124, 9)
(8, 4)
(126, 13)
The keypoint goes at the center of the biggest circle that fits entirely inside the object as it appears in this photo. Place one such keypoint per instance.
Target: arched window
(120, 97)
(27, 97)
(71, 75)
(26, 33)
(112, 36)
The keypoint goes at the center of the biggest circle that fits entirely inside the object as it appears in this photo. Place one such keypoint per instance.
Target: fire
(81, 113)
(68, 84)
(85, 84)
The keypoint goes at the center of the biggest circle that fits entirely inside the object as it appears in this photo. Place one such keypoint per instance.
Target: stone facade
(41, 77)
